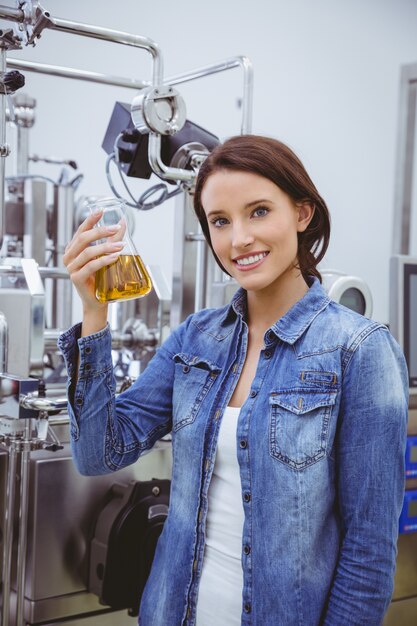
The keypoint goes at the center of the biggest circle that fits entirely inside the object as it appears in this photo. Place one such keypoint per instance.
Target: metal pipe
(31, 401)
(3, 150)
(106, 34)
(45, 272)
(95, 32)
(7, 13)
(159, 167)
(23, 525)
(67, 72)
(63, 229)
(228, 64)
(177, 79)
(8, 532)
(4, 338)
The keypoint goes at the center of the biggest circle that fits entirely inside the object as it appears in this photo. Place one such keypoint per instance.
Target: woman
(287, 412)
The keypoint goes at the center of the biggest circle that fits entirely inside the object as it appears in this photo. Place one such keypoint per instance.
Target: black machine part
(124, 540)
(132, 145)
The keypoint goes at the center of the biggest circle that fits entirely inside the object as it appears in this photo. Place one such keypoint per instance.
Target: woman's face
(253, 227)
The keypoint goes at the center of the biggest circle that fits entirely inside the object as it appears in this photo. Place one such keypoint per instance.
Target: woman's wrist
(94, 321)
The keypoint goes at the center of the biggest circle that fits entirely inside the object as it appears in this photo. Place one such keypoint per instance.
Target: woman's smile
(247, 262)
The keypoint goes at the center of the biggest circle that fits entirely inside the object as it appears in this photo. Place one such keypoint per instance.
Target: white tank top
(220, 592)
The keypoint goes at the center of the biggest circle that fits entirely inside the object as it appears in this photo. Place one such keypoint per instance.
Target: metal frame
(405, 160)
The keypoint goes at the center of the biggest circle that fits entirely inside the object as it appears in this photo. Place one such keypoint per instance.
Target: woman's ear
(305, 215)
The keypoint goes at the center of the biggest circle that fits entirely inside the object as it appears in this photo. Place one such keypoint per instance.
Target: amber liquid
(124, 279)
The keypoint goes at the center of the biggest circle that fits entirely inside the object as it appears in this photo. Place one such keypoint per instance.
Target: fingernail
(118, 245)
(113, 228)
(97, 210)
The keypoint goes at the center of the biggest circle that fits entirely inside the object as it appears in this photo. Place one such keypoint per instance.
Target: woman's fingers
(74, 263)
(84, 272)
(87, 234)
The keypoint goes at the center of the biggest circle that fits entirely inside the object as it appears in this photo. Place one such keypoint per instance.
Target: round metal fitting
(184, 156)
(4, 150)
(158, 109)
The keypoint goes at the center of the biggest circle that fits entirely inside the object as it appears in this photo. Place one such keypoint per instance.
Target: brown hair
(277, 162)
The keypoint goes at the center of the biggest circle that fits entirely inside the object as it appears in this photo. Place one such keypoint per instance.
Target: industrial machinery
(403, 325)
(61, 534)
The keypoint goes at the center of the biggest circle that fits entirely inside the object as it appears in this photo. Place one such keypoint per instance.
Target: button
(247, 607)
(186, 369)
(246, 497)
(253, 393)
(267, 354)
(246, 550)
(87, 367)
(88, 349)
(79, 401)
(243, 443)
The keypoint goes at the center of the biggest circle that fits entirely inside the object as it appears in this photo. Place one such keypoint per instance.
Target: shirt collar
(295, 322)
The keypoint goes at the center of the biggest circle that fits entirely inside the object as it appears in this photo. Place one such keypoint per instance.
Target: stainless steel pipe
(3, 150)
(8, 13)
(4, 338)
(45, 272)
(177, 79)
(8, 532)
(106, 34)
(222, 66)
(23, 525)
(67, 72)
(32, 401)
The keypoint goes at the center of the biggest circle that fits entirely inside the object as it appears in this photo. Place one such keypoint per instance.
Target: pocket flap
(195, 361)
(301, 401)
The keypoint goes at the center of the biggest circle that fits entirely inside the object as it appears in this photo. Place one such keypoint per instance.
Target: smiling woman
(274, 161)
(287, 411)
(254, 228)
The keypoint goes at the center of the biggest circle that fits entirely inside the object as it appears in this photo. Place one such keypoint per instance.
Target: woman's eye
(218, 222)
(260, 211)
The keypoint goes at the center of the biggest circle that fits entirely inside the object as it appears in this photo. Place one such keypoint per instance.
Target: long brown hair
(274, 160)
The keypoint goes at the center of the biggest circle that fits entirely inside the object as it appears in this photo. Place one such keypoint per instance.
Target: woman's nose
(241, 236)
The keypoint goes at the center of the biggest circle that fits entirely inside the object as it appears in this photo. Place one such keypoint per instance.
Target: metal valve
(158, 109)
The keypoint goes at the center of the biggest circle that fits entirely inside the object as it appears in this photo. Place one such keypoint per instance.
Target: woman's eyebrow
(247, 206)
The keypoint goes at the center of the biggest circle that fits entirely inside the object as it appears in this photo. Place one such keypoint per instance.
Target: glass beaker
(127, 277)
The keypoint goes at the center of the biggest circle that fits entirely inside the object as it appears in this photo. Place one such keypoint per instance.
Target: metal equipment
(403, 325)
(403, 310)
(47, 511)
(351, 291)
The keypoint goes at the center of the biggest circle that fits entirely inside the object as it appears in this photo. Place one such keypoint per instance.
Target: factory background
(326, 81)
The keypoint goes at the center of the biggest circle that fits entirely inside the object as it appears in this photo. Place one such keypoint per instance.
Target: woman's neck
(267, 306)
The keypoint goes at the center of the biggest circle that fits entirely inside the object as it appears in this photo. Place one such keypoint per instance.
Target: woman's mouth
(250, 261)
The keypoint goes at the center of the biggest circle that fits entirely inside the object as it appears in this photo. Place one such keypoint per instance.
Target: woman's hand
(82, 261)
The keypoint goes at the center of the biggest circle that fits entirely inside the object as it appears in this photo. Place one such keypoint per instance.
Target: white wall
(326, 82)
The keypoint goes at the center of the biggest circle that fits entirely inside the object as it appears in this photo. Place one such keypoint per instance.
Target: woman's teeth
(251, 259)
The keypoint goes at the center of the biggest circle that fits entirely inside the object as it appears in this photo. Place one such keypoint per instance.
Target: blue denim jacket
(320, 444)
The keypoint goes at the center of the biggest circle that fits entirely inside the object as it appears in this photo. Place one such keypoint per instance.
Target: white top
(220, 592)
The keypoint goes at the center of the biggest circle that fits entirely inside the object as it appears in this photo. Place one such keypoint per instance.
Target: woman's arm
(108, 433)
(370, 463)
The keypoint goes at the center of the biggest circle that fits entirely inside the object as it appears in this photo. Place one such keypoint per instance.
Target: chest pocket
(299, 424)
(194, 378)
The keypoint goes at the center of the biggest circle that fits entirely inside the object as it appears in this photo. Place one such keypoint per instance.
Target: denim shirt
(320, 444)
